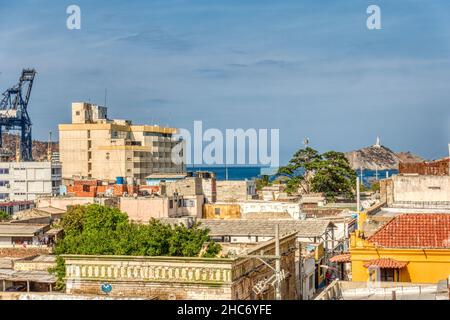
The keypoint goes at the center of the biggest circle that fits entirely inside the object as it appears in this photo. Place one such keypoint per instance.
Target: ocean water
(253, 172)
(369, 176)
(234, 172)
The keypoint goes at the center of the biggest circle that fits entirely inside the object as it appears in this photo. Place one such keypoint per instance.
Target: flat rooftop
(20, 229)
(393, 211)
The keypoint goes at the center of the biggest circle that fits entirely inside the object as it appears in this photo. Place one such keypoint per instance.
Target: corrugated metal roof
(20, 229)
(243, 227)
(33, 276)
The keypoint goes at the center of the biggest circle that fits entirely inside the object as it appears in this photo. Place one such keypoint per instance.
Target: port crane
(14, 114)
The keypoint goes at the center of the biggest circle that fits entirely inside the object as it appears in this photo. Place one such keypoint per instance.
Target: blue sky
(310, 68)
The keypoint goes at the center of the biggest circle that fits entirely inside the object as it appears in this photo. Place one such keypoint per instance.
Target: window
(4, 171)
(89, 134)
(171, 204)
(217, 211)
(4, 196)
(77, 113)
(387, 275)
(4, 183)
(89, 144)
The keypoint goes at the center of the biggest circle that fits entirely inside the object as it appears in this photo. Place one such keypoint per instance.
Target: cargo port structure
(14, 113)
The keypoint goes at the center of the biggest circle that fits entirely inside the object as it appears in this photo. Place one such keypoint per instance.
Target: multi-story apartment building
(93, 146)
(25, 181)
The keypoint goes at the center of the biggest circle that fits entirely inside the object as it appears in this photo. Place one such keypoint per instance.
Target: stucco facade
(423, 265)
(93, 146)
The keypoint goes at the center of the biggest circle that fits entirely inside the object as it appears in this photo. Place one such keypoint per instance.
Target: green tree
(60, 271)
(375, 186)
(262, 182)
(329, 173)
(4, 216)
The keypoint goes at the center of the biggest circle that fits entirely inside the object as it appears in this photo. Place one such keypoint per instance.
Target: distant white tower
(306, 142)
(377, 144)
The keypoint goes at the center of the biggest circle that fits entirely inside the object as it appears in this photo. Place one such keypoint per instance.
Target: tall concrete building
(93, 146)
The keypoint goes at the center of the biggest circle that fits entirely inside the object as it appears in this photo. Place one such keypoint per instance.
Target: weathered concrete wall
(438, 167)
(321, 212)
(194, 205)
(386, 191)
(187, 187)
(143, 209)
(421, 188)
(235, 190)
(261, 206)
(221, 211)
(252, 209)
(24, 265)
(63, 202)
(181, 277)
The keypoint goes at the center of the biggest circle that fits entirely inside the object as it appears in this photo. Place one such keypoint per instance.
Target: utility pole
(277, 263)
(49, 147)
(357, 195)
(300, 274)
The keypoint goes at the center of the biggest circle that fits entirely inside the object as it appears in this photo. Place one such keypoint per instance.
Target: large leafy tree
(100, 230)
(309, 171)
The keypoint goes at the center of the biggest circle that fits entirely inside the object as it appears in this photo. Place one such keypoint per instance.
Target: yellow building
(221, 211)
(93, 146)
(409, 248)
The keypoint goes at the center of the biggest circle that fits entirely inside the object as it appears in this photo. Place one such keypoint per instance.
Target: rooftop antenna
(106, 94)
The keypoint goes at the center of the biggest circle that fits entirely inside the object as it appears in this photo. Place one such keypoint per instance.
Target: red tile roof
(386, 263)
(414, 231)
(341, 258)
